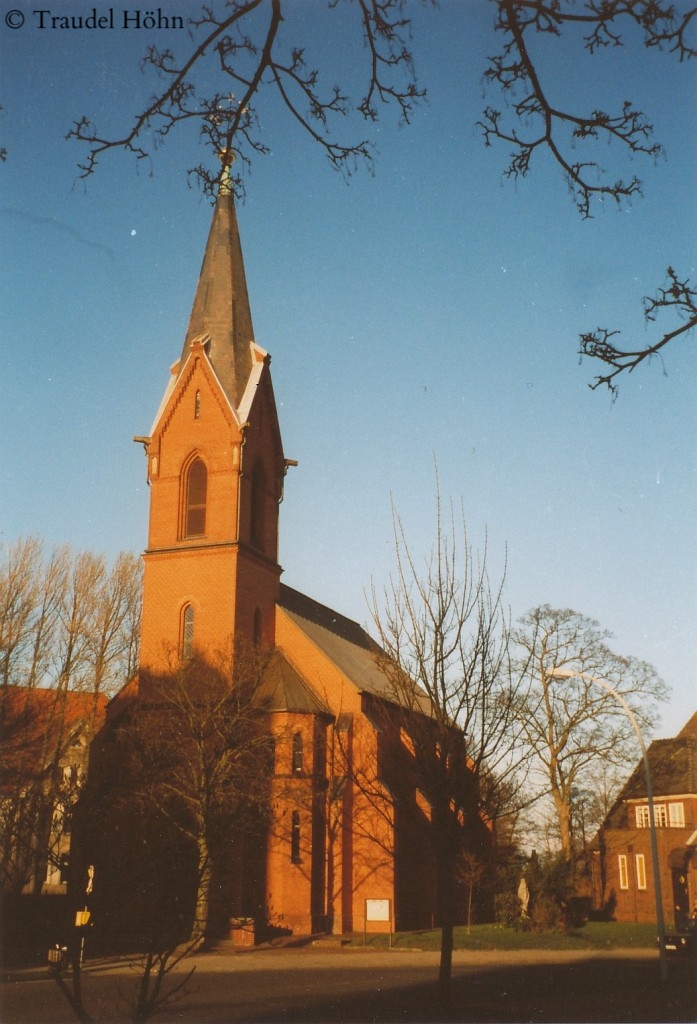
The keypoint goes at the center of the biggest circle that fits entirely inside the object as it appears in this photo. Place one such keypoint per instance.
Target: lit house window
(187, 642)
(624, 874)
(640, 871)
(676, 815)
(195, 489)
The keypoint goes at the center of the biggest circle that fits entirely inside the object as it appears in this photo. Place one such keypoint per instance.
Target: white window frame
(640, 871)
(624, 873)
(676, 815)
(642, 815)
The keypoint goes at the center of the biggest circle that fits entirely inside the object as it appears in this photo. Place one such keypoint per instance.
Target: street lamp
(567, 673)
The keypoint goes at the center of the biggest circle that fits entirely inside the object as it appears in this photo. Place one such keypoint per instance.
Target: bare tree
(67, 624)
(20, 598)
(573, 726)
(445, 635)
(190, 757)
(471, 870)
(114, 626)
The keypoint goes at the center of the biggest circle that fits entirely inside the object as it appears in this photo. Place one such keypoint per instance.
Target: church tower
(215, 470)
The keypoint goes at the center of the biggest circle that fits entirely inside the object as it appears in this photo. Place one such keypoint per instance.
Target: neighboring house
(46, 735)
(623, 873)
(331, 859)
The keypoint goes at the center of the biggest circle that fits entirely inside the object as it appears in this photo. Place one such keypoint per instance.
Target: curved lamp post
(567, 673)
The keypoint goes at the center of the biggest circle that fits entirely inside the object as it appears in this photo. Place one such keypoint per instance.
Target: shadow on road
(613, 990)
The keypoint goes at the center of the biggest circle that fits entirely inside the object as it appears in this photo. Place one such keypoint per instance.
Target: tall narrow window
(624, 875)
(640, 871)
(195, 510)
(258, 530)
(295, 838)
(197, 405)
(187, 644)
(297, 753)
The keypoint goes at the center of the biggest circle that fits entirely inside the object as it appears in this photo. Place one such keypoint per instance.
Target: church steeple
(221, 314)
(215, 469)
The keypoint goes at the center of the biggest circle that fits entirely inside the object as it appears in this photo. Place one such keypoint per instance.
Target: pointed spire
(221, 306)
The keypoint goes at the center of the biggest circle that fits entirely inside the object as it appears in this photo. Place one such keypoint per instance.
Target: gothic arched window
(187, 632)
(196, 486)
(298, 753)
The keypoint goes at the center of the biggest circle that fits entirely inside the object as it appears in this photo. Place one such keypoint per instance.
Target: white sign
(377, 910)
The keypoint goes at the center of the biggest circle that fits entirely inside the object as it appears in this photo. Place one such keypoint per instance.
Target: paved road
(307, 985)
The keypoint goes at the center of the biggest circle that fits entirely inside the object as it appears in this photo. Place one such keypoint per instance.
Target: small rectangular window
(640, 871)
(624, 875)
(660, 816)
(676, 815)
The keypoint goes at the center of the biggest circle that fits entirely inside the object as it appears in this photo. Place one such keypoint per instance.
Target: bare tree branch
(251, 53)
(538, 124)
(676, 295)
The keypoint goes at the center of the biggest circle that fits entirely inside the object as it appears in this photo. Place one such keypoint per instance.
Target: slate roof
(221, 310)
(284, 689)
(673, 765)
(344, 642)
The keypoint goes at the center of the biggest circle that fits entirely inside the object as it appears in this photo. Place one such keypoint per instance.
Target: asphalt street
(307, 985)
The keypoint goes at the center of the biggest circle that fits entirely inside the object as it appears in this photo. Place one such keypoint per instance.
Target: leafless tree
(20, 598)
(445, 635)
(113, 632)
(471, 870)
(574, 726)
(67, 624)
(192, 752)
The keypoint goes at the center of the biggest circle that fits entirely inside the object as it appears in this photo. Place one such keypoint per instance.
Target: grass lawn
(593, 935)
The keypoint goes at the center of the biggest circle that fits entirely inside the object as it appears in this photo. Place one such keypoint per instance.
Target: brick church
(331, 858)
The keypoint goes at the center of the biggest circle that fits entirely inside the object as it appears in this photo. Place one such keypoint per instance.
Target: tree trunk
(445, 910)
(200, 927)
(565, 831)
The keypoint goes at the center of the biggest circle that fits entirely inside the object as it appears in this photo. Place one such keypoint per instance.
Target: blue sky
(430, 311)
